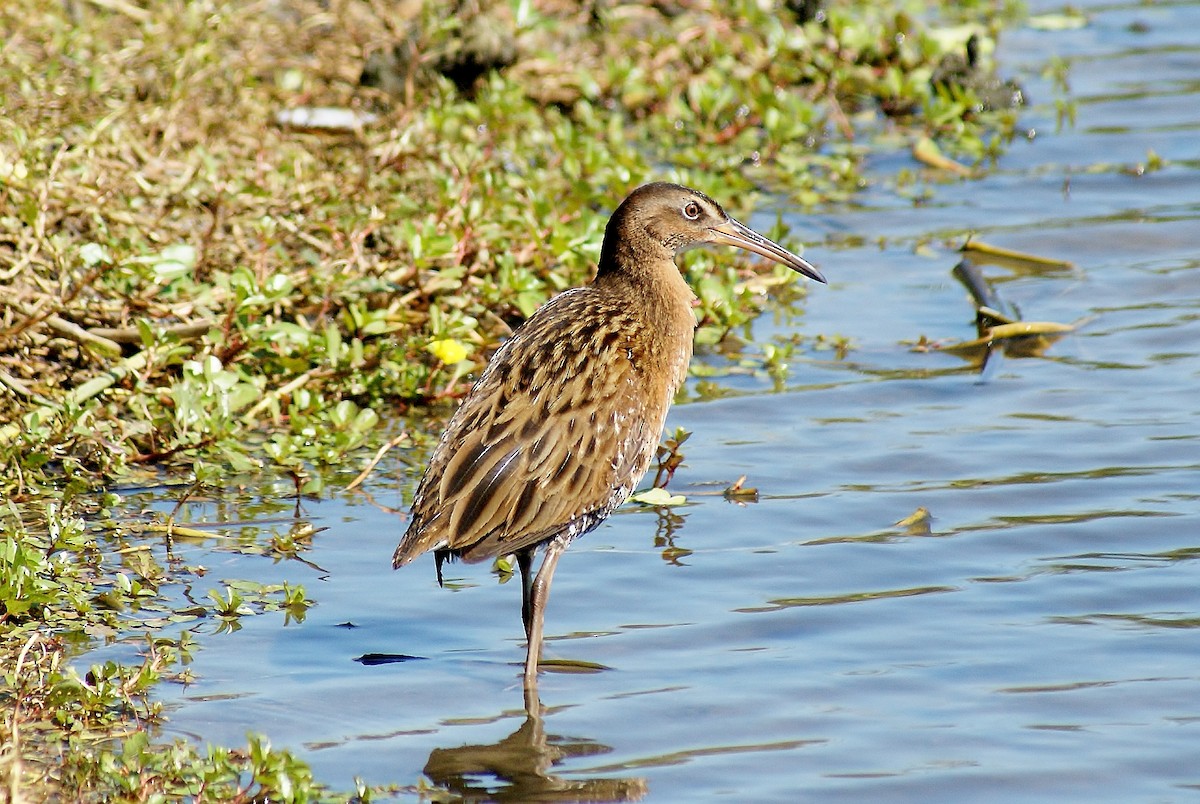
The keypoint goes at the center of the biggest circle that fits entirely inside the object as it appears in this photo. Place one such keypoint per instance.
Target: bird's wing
(556, 433)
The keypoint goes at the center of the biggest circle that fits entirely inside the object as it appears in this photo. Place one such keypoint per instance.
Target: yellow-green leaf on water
(1020, 329)
(915, 518)
(739, 492)
(570, 666)
(927, 152)
(182, 532)
(992, 317)
(986, 252)
(1041, 334)
(966, 347)
(448, 350)
(657, 496)
(504, 566)
(917, 523)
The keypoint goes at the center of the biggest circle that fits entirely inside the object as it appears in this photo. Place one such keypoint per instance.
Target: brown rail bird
(562, 424)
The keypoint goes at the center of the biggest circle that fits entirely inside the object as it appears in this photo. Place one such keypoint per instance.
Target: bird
(564, 420)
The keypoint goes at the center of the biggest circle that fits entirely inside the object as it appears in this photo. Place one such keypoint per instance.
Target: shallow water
(1041, 638)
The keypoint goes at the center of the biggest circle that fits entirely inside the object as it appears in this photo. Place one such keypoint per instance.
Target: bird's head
(668, 218)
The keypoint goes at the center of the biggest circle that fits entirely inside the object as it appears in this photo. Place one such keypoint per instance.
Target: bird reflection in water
(518, 768)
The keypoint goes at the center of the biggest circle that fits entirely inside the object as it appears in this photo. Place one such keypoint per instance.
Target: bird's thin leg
(525, 563)
(537, 606)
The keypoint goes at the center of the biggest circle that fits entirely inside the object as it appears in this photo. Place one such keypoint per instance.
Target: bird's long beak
(733, 233)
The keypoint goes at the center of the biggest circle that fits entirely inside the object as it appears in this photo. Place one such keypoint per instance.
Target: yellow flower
(448, 350)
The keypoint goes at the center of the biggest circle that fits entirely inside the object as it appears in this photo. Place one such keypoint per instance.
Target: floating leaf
(917, 523)
(658, 496)
(1004, 256)
(570, 666)
(1020, 329)
(504, 567)
(927, 152)
(739, 492)
(1041, 335)
(181, 532)
(916, 517)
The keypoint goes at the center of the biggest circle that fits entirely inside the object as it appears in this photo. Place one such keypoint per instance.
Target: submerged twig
(375, 461)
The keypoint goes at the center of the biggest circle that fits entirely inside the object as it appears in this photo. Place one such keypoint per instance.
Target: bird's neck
(656, 296)
(652, 283)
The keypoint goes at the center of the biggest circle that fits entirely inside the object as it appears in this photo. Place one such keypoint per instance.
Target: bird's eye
(691, 210)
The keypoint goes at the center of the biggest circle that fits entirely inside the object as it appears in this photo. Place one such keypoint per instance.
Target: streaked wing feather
(554, 435)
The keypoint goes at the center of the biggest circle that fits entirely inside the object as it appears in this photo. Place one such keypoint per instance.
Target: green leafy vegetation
(197, 285)
(85, 735)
